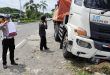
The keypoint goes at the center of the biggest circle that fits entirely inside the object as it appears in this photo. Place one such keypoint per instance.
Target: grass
(83, 73)
(80, 66)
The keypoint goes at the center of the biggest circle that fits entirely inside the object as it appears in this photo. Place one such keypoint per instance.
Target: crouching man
(8, 41)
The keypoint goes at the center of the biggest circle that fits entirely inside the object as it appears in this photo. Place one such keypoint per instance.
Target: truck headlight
(83, 44)
(80, 31)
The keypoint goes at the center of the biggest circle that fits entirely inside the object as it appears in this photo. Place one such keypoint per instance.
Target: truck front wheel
(66, 46)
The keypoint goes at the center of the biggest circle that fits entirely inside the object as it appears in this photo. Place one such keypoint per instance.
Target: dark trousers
(8, 44)
(43, 42)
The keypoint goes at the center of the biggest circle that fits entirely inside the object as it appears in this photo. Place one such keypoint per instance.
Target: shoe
(14, 63)
(46, 48)
(5, 66)
(41, 49)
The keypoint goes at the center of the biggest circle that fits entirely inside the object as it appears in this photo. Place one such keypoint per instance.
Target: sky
(16, 3)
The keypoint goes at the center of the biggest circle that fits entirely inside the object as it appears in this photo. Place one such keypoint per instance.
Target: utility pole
(20, 8)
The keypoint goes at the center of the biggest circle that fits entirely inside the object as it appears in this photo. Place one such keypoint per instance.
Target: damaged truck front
(87, 32)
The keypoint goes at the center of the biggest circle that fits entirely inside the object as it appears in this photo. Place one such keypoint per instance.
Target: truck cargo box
(62, 9)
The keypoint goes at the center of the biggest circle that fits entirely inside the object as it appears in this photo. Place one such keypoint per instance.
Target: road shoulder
(32, 61)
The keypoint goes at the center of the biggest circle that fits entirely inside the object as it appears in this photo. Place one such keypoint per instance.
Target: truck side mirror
(85, 2)
(66, 19)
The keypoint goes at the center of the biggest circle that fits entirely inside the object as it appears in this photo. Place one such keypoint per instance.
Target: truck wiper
(104, 11)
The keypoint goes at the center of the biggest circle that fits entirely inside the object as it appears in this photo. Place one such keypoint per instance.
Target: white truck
(87, 33)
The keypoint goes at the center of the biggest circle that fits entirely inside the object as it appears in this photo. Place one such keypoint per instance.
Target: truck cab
(88, 29)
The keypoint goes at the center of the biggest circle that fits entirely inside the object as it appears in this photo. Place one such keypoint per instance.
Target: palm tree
(31, 8)
(43, 5)
(31, 1)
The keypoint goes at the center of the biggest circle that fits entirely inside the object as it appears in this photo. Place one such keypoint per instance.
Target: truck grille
(100, 33)
(100, 46)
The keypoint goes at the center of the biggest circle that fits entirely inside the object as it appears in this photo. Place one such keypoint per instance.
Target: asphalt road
(23, 31)
(31, 60)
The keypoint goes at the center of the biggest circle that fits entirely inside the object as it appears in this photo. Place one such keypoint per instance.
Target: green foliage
(31, 10)
(15, 20)
(27, 20)
(15, 15)
(106, 70)
(8, 10)
(48, 15)
(12, 11)
(28, 13)
(83, 73)
(43, 5)
(52, 11)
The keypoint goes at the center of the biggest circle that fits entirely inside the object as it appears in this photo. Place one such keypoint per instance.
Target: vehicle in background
(49, 19)
(86, 32)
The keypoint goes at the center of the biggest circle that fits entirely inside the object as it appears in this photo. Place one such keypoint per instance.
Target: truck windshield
(97, 4)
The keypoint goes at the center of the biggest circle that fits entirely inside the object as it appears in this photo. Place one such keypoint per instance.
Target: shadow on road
(79, 62)
(48, 51)
(17, 69)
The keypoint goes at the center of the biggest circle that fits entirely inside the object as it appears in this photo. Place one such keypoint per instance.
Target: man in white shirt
(7, 42)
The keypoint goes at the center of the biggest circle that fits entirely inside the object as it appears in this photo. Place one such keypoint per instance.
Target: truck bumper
(84, 47)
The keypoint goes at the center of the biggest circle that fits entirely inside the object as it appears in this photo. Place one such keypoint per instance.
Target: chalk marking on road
(16, 46)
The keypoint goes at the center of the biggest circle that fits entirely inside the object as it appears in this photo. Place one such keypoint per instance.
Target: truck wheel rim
(65, 42)
(66, 45)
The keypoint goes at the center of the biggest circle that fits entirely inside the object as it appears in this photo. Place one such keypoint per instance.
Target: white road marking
(36, 71)
(16, 46)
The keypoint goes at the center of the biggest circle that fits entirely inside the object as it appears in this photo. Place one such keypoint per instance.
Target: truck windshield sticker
(96, 18)
(99, 20)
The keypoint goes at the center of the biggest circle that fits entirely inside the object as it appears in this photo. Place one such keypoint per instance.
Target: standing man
(8, 41)
(42, 33)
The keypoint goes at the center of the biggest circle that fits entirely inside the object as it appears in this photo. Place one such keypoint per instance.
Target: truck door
(79, 15)
(75, 7)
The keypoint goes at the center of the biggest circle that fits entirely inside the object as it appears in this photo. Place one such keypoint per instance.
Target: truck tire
(56, 31)
(56, 36)
(66, 53)
(94, 60)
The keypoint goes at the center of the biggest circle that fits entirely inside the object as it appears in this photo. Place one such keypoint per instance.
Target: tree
(43, 5)
(8, 10)
(31, 1)
(31, 9)
(48, 15)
